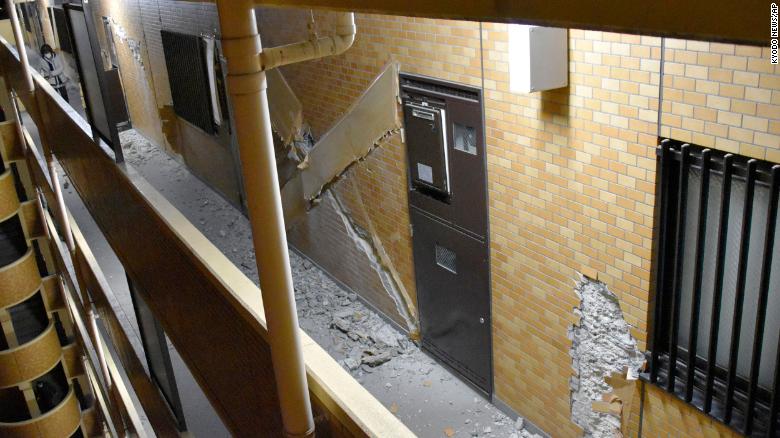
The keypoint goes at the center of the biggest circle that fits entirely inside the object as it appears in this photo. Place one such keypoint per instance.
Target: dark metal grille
(188, 78)
(716, 283)
(446, 259)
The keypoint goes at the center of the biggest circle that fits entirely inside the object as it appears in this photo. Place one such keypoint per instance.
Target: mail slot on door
(425, 123)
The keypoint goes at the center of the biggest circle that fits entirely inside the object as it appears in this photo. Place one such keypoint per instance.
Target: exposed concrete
(423, 394)
(602, 345)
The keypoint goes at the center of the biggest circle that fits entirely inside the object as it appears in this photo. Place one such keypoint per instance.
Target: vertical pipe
(43, 13)
(701, 232)
(10, 5)
(763, 295)
(663, 170)
(717, 290)
(101, 354)
(682, 203)
(247, 87)
(739, 293)
(61, 209)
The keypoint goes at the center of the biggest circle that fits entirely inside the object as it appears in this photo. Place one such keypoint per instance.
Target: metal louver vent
(188, 78)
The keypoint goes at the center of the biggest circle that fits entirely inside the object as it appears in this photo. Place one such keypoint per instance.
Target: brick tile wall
(571, 184)
(442, 48)
(136, 76)
(571, 172)
(722, 96)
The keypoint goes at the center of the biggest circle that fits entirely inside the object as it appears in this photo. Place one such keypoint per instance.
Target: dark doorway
(102, 88)
(158, 357)
(443, 126)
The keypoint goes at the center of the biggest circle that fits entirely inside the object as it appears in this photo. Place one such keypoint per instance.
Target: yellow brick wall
(571, 174)
(722, 96)
(136, 74)
(441, 48)
(665, 416)
(571, 184)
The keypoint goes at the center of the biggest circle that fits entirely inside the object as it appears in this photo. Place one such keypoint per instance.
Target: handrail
(193, 286)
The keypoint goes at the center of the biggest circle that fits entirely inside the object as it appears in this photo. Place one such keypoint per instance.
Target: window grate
(446, 258)
(716, 280)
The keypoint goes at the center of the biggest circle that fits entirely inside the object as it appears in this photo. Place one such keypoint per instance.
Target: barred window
(717, 305)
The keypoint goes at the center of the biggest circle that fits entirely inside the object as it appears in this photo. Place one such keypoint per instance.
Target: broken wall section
(372, 119)
(605, 362)
(327, 236)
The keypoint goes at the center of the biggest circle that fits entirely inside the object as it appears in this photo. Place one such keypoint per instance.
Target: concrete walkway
(423, 394)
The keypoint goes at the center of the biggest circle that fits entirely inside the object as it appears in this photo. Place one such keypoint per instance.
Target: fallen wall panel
(285, 108)
(373, 117)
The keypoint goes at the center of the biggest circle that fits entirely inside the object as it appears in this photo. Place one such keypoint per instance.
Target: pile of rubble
(419, 391)
(366, 340)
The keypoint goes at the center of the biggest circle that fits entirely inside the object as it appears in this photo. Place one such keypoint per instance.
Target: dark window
(715, 342)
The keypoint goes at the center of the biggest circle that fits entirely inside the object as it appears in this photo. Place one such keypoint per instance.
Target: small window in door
(465, 139)
(446, 259)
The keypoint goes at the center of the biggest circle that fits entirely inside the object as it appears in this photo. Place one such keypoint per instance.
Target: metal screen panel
(718, 285)
(188, 78)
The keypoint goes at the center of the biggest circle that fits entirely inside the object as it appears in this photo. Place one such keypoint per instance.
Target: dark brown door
(443, 130)
(453, 297)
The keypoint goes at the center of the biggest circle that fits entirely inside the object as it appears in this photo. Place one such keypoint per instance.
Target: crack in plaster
(366, 245)
(602, 345)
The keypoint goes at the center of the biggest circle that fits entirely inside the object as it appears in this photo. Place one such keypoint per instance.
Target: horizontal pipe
(314, 48)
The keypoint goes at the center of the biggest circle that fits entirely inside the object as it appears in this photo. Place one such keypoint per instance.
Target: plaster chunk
(602, 346)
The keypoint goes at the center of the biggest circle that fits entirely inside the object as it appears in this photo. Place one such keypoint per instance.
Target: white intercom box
(538, 58)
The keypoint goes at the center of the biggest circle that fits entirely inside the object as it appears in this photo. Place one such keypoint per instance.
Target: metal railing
(211, 312)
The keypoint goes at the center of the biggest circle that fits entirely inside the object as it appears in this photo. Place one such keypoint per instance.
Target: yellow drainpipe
(43, 14)
(247, 63)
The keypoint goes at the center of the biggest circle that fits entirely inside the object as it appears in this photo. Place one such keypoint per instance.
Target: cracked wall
(368, 243)
(330, 238)
(602, 347)
(370, 120)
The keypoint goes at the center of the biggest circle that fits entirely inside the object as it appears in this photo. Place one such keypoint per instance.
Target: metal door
(443, 127)
(453, 297)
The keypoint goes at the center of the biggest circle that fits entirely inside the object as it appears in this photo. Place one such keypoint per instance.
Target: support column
(43, 13)
(247, 88)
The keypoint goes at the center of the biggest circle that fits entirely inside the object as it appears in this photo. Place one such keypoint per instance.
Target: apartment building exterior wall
(136, 26)
(571, 172)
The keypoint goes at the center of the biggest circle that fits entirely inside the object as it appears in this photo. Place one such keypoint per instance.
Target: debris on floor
(420, 392)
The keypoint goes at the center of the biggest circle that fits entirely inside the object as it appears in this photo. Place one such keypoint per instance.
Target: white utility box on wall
(538, 58)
